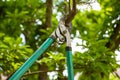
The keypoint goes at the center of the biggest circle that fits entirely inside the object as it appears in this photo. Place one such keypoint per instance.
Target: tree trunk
(114, 38)
(43, 75)
(48, 23)
(113, 42)
(49, 5)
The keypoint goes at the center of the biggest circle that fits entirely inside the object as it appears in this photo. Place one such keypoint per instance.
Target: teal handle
(18, 74)
(70, 64)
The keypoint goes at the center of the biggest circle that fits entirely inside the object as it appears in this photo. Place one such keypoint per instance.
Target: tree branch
(37, 72)
(87, 2)
(69, 6)
(72, 14)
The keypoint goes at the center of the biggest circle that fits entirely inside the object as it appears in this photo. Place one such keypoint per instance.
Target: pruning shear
(62, 33)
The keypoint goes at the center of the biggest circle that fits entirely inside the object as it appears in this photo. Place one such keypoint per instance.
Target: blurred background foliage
(25, 24)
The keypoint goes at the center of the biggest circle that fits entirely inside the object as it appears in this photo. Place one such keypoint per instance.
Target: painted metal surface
(18, 74)
(70, 65)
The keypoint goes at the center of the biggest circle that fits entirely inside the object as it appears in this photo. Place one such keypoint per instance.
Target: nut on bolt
(64, 32)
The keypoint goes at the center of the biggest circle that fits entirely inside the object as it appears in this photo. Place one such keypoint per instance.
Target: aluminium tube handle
(69, 63)
(18, 74)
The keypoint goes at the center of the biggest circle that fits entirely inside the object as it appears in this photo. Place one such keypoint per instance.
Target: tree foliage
(99, 32)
